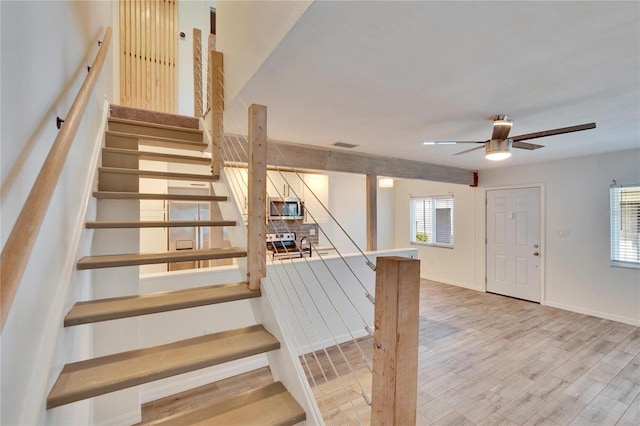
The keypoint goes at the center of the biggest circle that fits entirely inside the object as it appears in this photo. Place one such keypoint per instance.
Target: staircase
(119, 179)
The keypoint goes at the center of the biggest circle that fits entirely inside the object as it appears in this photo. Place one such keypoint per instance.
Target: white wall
(347, 203)
(191, 14)
(452, 266)
(45, 50)
(248, 33)
(578, 275)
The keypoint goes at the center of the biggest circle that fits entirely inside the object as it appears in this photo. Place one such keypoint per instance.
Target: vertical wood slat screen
(148, 54)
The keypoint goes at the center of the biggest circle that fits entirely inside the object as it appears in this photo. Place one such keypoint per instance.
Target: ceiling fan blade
(469, 150)
(526, 145)
(559, 131)
(449, 142)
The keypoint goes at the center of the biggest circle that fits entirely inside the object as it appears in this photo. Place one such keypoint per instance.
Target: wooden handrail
(16, 251)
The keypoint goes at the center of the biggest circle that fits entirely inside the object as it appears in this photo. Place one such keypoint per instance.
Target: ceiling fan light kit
(498, 149)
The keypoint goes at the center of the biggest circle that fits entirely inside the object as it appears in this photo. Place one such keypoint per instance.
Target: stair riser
(144, 130)
(132, 141)
(125, 182)
(118, 182)
(149, 174)
(124, 161)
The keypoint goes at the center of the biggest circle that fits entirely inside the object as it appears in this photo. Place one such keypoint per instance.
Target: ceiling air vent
(344, 145)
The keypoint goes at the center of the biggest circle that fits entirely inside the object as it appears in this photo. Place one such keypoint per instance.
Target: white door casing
(513, 242)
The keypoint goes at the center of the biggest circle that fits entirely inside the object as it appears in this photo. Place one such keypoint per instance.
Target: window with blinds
(432, 221)
(625, 226)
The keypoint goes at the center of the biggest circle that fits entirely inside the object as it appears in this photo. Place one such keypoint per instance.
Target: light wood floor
(491, 360)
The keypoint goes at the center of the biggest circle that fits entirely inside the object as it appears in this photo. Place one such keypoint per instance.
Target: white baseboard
(173, 385)
(451, 282)
(604, 315)
(129, 418)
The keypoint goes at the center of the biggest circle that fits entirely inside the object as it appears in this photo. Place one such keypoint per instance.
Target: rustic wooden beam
(256, 225)
(395, 341)
(285, 154)
(372, 212)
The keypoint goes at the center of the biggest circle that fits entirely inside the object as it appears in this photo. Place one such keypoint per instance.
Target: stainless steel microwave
(285, 208)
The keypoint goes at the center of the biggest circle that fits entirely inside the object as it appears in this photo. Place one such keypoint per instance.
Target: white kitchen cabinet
(316, 194)
(284, 184)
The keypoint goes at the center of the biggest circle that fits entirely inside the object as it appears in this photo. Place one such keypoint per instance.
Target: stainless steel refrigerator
(188, 238)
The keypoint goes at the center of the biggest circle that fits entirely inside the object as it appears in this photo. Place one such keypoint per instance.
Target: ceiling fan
(500, 144)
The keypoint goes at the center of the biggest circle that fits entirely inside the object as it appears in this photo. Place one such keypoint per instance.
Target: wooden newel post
(395, 341)
(257, 223)
(215, 92)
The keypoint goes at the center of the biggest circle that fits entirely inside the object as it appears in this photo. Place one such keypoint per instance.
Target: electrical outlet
(563, 232)
(312, 231)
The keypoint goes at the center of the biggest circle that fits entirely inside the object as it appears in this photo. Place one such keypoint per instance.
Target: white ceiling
(389, 75)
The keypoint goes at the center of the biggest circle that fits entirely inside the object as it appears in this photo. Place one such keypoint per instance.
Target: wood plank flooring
(491, 360)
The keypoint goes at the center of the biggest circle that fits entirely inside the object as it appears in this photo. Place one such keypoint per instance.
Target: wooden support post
(257, 220)
(395, 341)
(216, 88)
(197, 72)
(372, 213)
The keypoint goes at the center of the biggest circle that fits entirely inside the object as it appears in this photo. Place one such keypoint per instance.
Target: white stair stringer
(284, 363)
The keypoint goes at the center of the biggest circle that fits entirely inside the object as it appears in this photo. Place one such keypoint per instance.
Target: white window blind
(625, 226)
(432, 221)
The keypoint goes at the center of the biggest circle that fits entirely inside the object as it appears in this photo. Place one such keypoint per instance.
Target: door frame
(543, 227)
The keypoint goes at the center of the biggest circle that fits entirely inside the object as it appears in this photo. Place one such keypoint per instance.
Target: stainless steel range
(283, 246)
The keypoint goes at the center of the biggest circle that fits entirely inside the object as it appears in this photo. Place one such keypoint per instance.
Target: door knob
(535, 253)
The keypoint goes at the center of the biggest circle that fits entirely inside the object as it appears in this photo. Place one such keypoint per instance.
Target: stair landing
(137, 114)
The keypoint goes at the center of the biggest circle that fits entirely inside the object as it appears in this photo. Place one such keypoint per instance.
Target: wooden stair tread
(271, 404)
(133, 259)
(115, 195)
(159, 224)
(117, 120)
(157, 140)
(97, 376)
(125, 307)
(158, 156)
(157, 175)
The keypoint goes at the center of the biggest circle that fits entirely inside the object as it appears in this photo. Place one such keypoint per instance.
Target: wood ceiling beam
(285, 154)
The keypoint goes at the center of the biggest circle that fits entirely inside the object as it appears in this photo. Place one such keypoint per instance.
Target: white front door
(513, 243)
